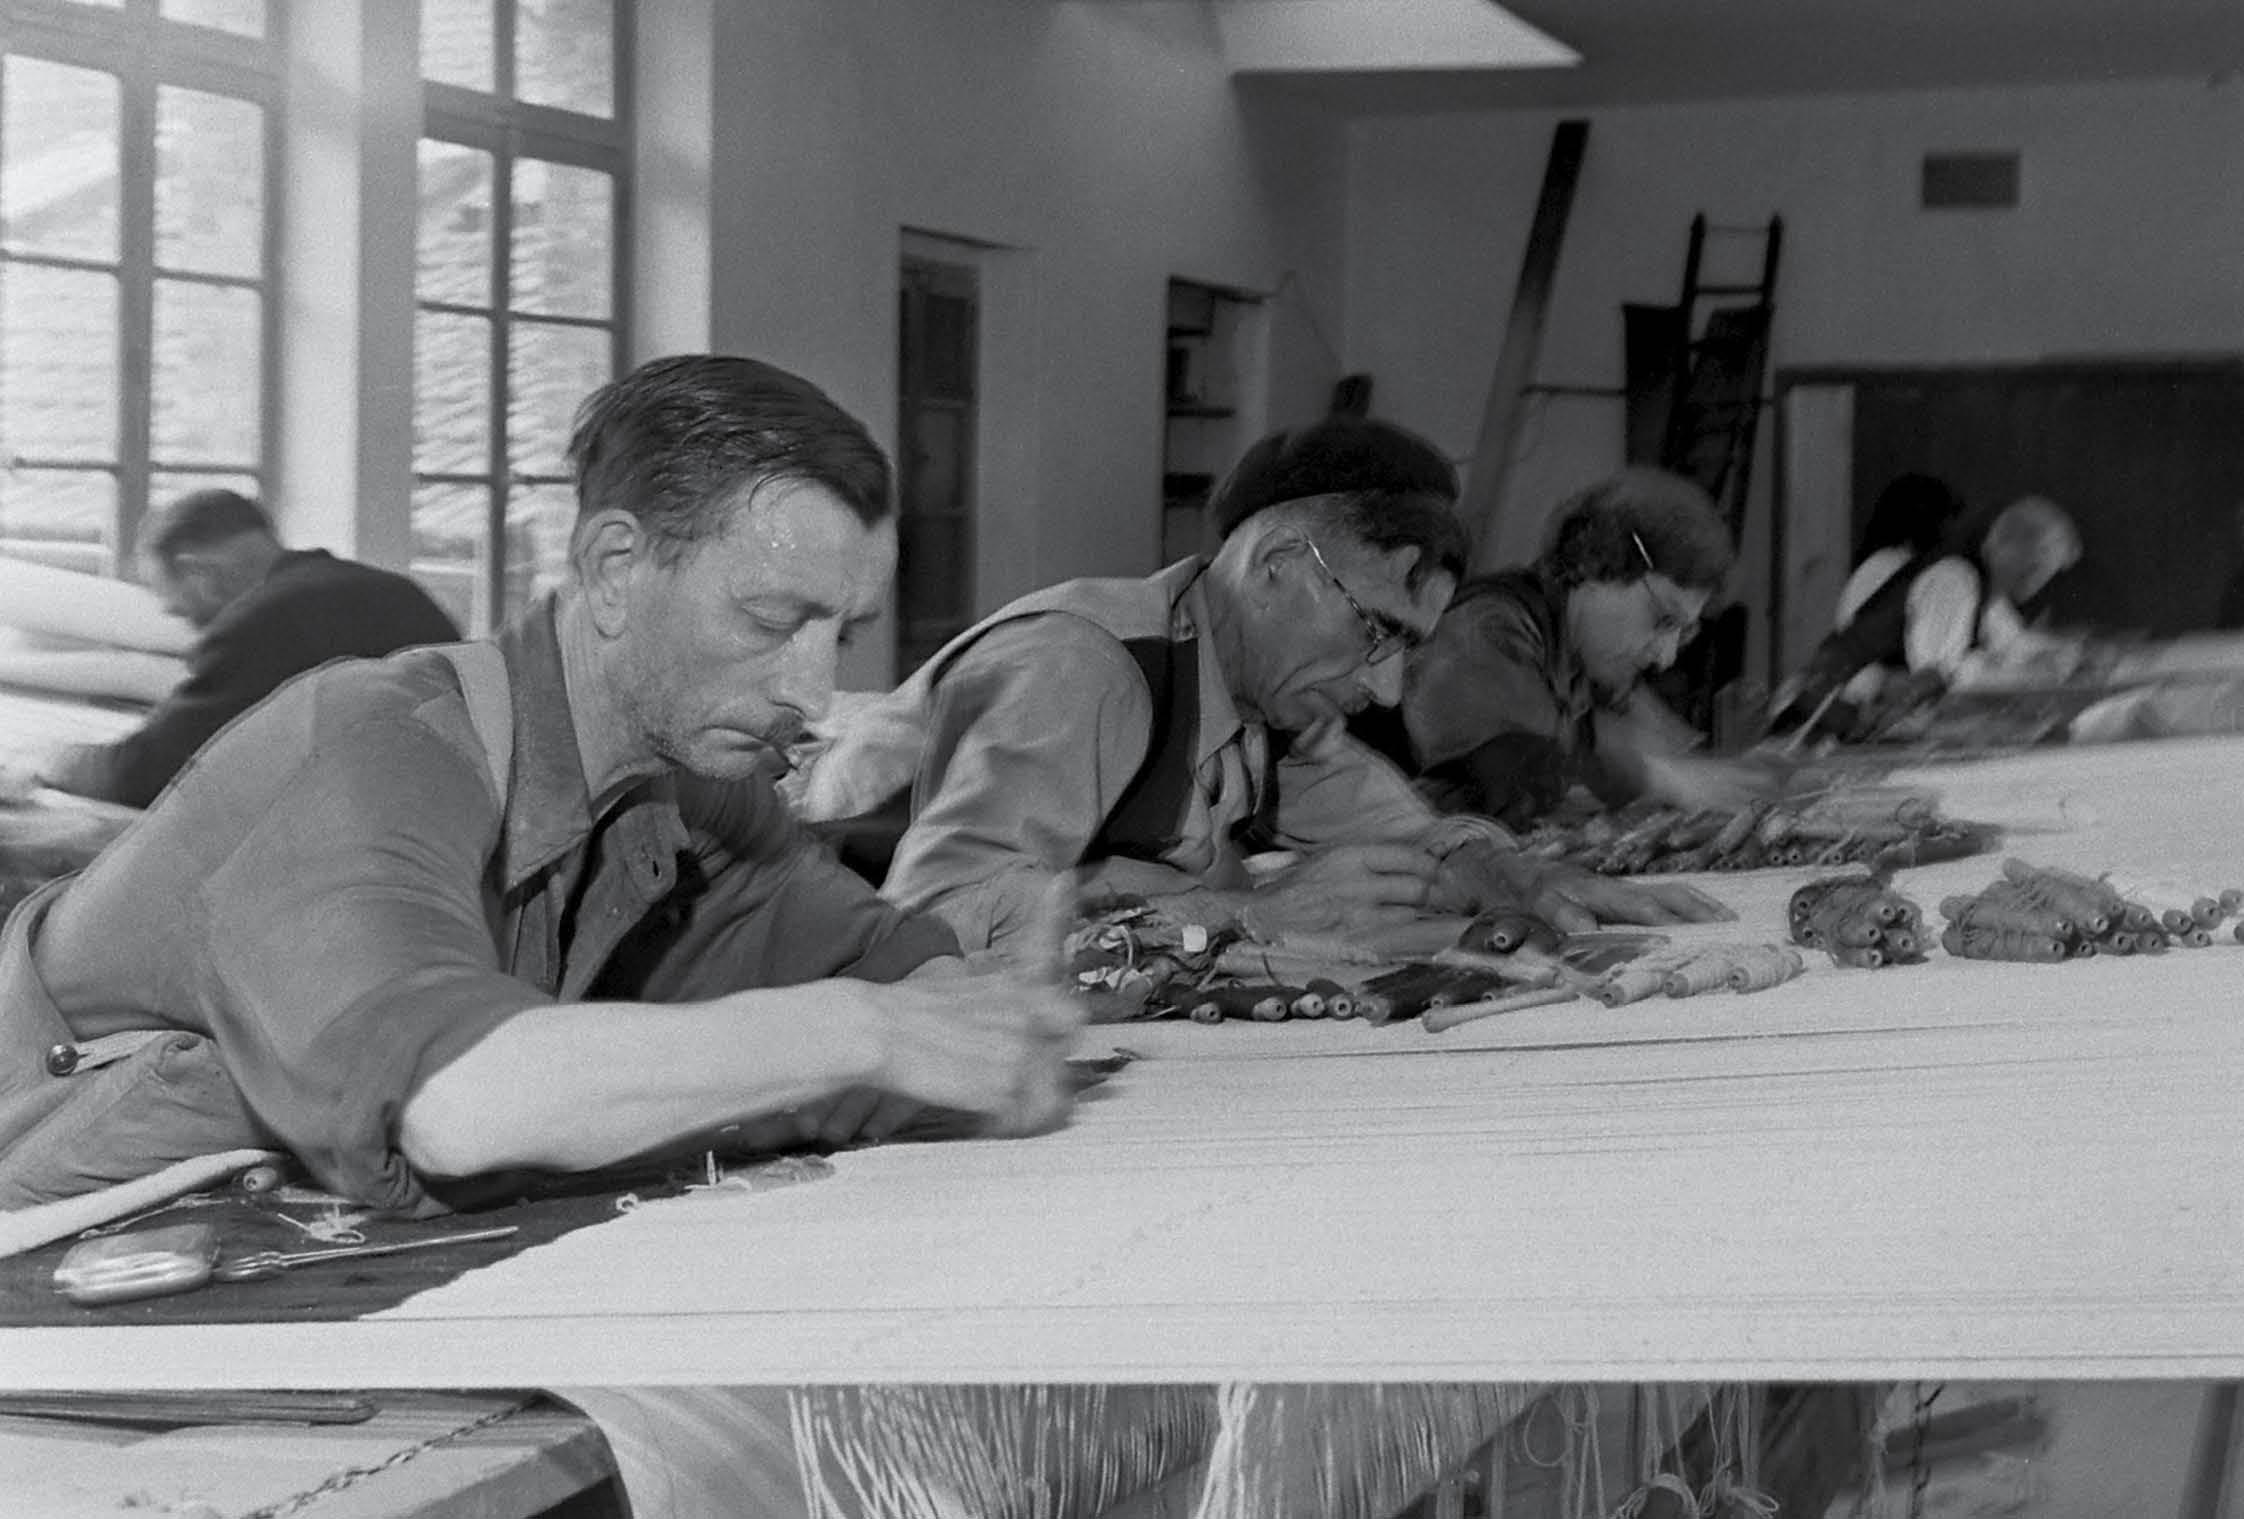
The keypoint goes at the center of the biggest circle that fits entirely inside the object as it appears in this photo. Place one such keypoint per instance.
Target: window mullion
(502, 315)
(136, 300)
(503, 59)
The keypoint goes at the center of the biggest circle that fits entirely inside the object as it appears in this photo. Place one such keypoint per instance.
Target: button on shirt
(333, 893)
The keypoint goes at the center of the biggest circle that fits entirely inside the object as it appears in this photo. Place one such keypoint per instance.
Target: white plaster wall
(2129, 240)
(1105, 147)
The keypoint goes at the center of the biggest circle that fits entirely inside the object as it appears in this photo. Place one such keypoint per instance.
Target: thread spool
(1759, 969)
(2179, 908)
(1309, 1005)
(1342, 1006)
(1855, 933)
(2197, 938)
(1630, 985)
(2012, 898)
(1270, 1009)
(1206, 1012)
(1702, 974)
(2089, 905)
(2001, 944)
(1508, 932)
(1375, 1007)
(260, 1178)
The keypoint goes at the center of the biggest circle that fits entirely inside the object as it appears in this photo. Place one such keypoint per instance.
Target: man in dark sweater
(265, 613)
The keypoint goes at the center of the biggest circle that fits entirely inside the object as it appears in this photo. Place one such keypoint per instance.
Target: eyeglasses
(1384, 637)
(1667, 617)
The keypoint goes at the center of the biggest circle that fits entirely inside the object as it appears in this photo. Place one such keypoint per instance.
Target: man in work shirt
(1135, 728)
(529, 904)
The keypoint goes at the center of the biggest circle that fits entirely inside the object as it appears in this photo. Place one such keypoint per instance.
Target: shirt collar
(548, 809)
(1220, 723)
(1569, 678)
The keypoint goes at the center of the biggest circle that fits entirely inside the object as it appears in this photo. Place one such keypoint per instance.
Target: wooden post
(1523, 338)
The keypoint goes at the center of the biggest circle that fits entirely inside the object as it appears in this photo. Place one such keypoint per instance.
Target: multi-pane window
(136, 202)
(517, 287)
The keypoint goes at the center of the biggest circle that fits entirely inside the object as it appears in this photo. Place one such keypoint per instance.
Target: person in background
(1951, 622)
(1532, 684)
(1910, 528)
(1909, 525)
(531, 904)
(1154, 734)
(263, 613)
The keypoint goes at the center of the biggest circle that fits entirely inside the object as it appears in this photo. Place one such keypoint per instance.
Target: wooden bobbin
(1630, 984)
(1770, 965)
(1702, 974)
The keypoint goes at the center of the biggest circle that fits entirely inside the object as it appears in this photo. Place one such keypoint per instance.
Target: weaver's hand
(980, 1038)
(1699, 783)
(1568, 892)
(1350, 886)
(1569, 898)
(991, 1043)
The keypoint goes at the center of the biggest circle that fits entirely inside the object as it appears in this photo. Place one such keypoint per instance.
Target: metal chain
(351, 1475)
(1920, 1469)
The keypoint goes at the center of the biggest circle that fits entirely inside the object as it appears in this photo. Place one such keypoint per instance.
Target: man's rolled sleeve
(349, 934)
(1034, 734)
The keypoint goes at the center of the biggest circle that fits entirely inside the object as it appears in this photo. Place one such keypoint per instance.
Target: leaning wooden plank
(1523, 338)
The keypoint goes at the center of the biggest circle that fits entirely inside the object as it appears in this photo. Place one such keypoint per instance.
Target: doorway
(937, 416)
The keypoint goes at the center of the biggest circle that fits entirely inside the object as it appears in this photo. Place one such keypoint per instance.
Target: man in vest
(1946, 620)
(1135, 727)
(530, 904)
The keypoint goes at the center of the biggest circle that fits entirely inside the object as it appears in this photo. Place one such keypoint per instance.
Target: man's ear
(1400, 560)
(610, 547)
(1269, 550)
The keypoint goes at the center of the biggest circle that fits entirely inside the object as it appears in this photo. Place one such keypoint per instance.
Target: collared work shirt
(1499, 710)
(1033, 729)
(333, 893)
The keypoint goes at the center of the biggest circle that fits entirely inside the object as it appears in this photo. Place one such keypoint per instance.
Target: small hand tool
(264, 1263)
(1437, 1020)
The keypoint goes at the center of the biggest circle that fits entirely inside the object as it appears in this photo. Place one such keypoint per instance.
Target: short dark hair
(198, 519)
(1384, 521)
(1609, 530)
(1914, 512)
(1326, 457)
(673, 441)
